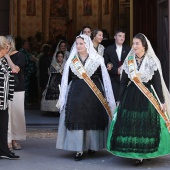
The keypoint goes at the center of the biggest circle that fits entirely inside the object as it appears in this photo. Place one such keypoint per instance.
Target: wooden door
(163, 40)
(151, 18)
(145, 19)
(4, 17)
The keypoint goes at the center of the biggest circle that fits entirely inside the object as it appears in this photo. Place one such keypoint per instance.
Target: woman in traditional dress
(86, 30)
(84, 119)
(61, 46)
(52, 91)
(97, 36)
(140, 128)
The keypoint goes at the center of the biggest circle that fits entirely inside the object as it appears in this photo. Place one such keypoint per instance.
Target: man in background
(114, 56)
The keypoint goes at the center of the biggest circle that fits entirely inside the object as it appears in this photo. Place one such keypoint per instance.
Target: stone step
(41, 133)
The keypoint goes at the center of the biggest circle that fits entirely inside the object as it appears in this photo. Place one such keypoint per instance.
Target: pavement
(39, 151)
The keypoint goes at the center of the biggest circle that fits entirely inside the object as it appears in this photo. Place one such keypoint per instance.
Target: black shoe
(91, 151)
(138, 162)
(79, 156)
(10, 156)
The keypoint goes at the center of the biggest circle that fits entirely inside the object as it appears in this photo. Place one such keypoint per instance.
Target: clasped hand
(109, 66)
(163, 107)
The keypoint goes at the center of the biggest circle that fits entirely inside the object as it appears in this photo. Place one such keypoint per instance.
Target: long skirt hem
(163, 149)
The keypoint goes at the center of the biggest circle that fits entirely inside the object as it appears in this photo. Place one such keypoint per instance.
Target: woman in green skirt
(140, 127)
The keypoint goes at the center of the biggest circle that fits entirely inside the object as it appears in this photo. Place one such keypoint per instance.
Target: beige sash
(145, 91)
(80, 69)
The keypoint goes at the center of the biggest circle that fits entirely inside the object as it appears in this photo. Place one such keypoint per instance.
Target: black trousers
(3, 132)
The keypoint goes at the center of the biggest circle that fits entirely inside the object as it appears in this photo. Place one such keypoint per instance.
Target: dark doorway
(4, 17)
(151, 19)
(145, 19)
(163, 35)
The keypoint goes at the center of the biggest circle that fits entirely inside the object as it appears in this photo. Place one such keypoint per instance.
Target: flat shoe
(17, 146)
(79, 156)
(91, 151)
(10, 156)
(138, 162)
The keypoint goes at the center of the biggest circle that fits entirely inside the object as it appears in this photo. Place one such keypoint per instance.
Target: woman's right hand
(117, 103)
(109, 66)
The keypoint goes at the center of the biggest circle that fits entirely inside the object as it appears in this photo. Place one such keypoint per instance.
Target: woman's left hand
(16, 69)
(163, 107)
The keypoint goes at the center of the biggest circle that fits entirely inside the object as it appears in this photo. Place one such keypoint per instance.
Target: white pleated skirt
(16, 124)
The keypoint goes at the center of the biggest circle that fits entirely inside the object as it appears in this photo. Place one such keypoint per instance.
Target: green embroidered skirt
(137, 130)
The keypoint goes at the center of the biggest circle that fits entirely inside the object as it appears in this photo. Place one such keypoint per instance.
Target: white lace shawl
(66, 54)
(93, 62)
(58, 67)
(146, 70)
(90, 66)
(100, 49)
(152, 56)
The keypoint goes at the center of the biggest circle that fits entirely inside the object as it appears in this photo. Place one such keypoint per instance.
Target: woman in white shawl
(83, 120)
(97, 36)
(61, 46)
(51, 93)
(140, 129)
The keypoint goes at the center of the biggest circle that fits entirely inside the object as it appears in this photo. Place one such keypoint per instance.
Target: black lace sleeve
(99, 73)
(123, 84)
(69, 75)
(156, 82)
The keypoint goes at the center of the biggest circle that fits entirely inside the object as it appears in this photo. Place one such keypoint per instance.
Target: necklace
(96, 48)
(139, 61)
(83, 61)
(139, 57)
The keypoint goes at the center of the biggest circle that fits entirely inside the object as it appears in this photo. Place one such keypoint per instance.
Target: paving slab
(39, 153)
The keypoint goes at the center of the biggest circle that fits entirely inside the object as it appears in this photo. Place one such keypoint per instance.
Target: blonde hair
(11, 43)
(3, 42)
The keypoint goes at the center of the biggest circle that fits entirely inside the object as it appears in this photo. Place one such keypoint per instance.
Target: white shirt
(119, 51)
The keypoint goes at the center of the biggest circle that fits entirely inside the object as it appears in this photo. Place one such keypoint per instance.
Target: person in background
(44, 66)
(141, 128)
(84, 118)
(106, 40)
(29, 70)
(114, 57)
(51, 94)
(6, 93)
(61, 46)
(38, 70)
(97, 37)
(87, 30)
(16, 124)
